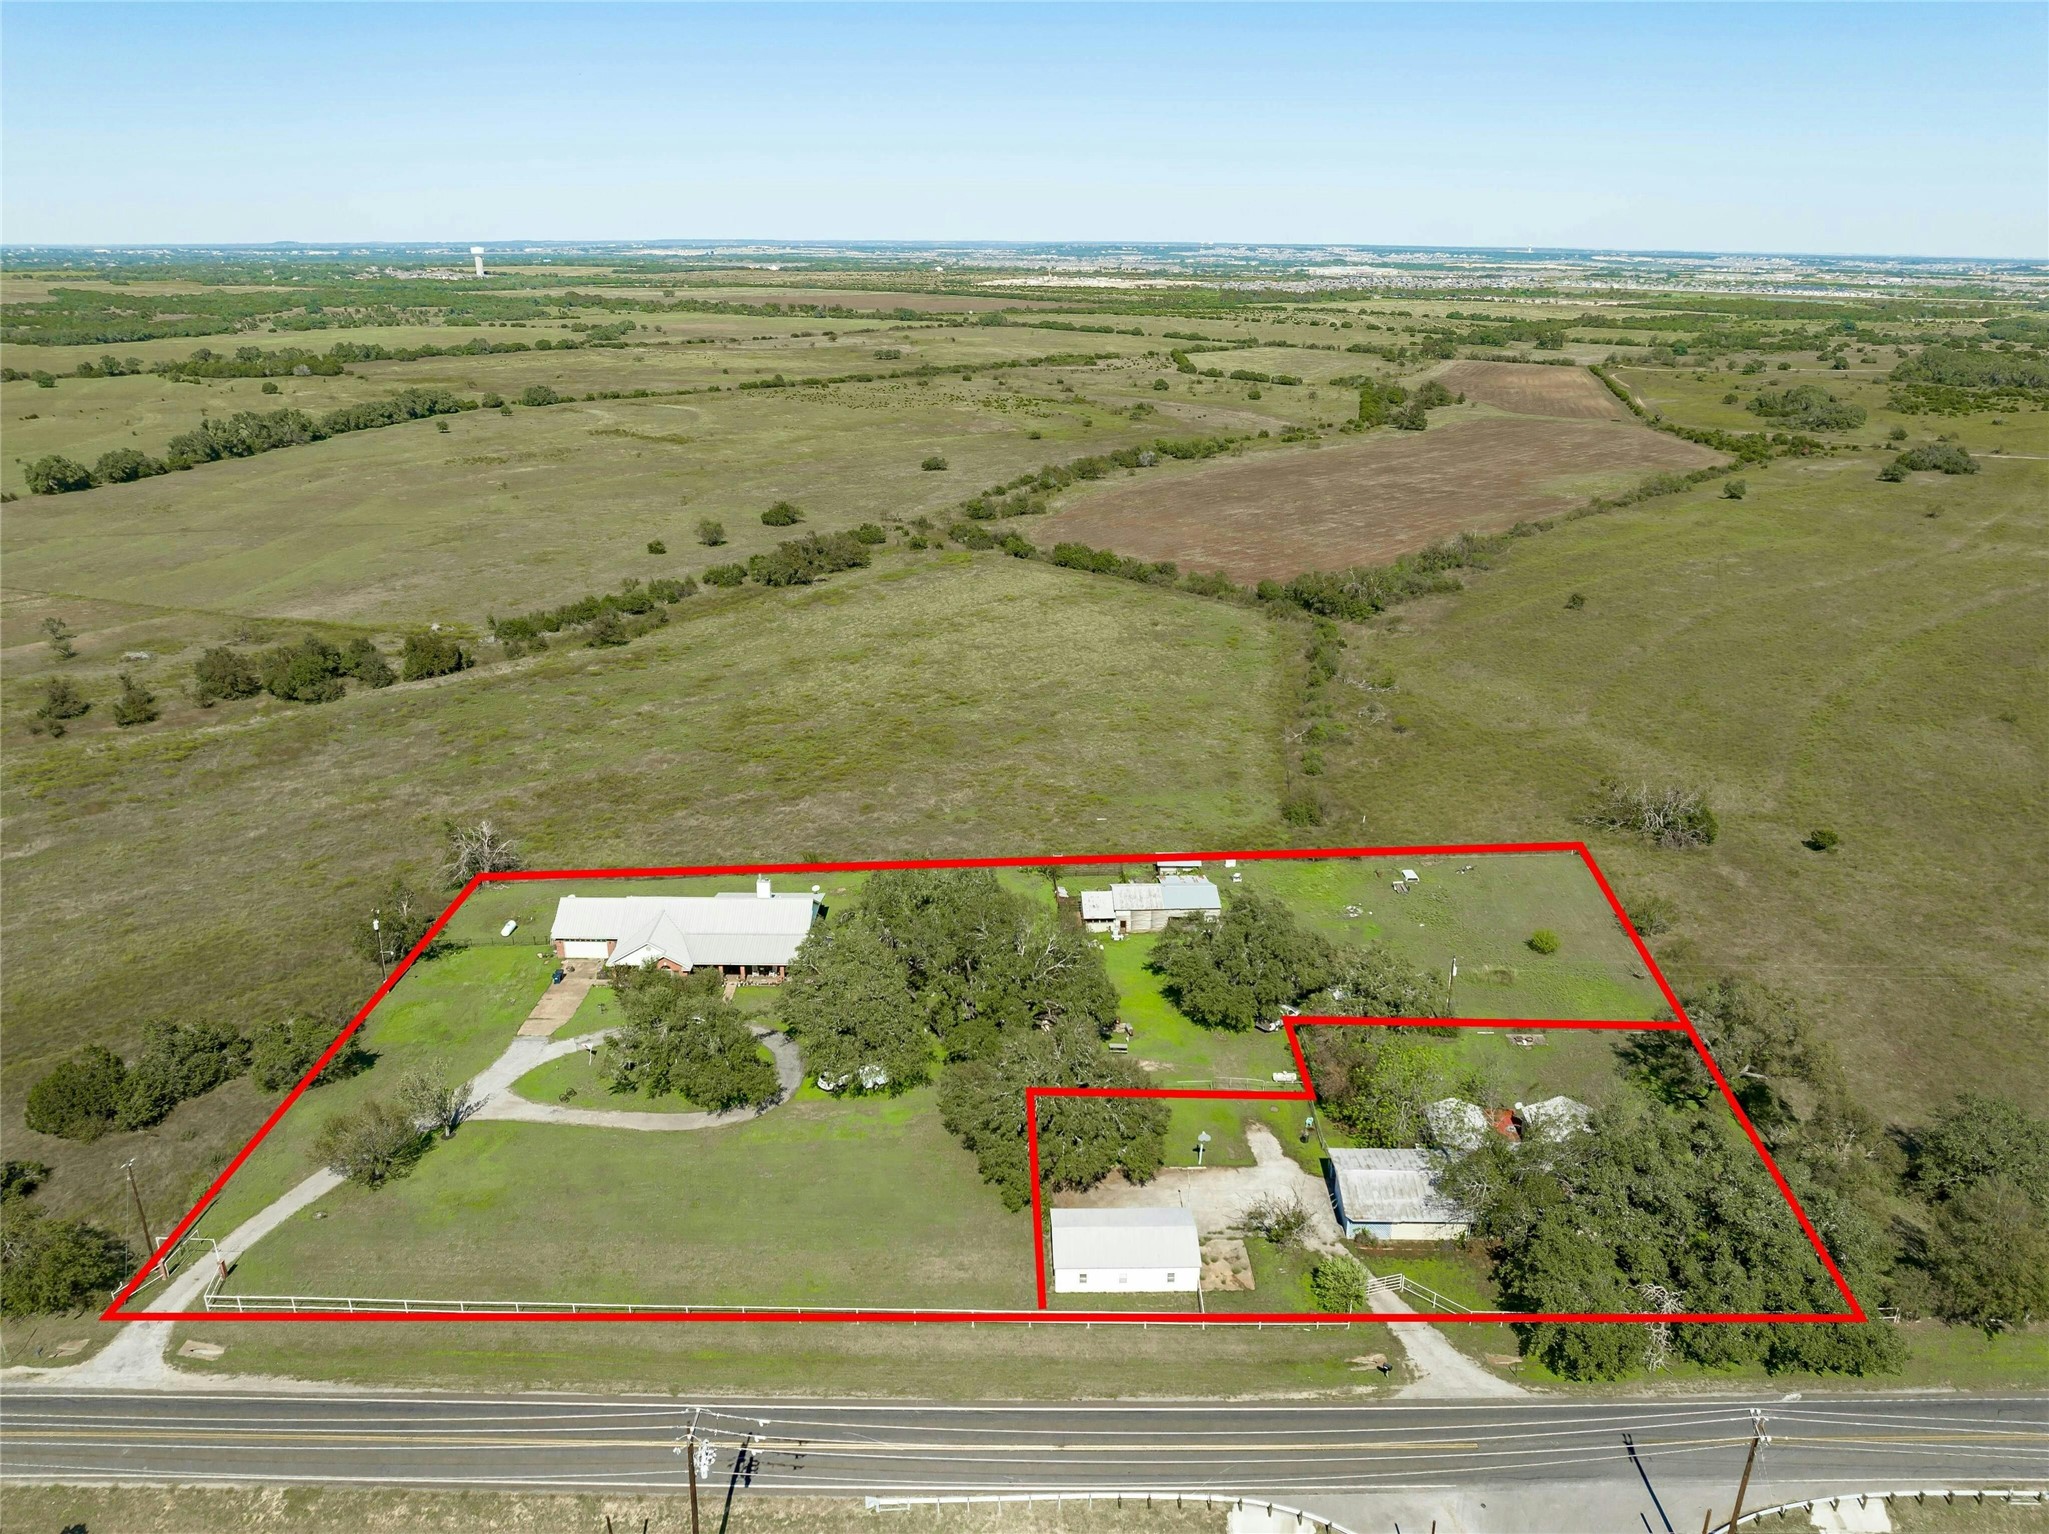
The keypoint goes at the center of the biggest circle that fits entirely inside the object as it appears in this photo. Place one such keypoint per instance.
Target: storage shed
(1394, 1195)
(1126, 1251)
(1128, 908)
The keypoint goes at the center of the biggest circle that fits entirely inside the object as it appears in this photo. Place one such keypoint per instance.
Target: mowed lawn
(1830, 652)
(947, 704)
(868, 1203)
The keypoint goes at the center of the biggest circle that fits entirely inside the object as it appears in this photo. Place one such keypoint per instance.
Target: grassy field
(365, 1510)
(1908, 720)
(821, 1204)
(934, 704)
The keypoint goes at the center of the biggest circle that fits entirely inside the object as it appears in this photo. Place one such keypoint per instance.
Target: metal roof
(1456, 1124)
(690, 929)
(1555, 1117)
(1169, 895)
(1096, 905)
(1393, 1187)
(1126, 1238)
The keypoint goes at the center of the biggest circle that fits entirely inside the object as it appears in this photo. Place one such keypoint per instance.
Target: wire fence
(1190, 1499)
(2013, 1496)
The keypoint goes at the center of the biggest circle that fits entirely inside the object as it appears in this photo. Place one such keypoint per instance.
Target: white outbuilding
(1126, 1251)
(1127, 908)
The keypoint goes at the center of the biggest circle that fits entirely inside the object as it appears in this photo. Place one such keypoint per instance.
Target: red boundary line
(1854, 1312)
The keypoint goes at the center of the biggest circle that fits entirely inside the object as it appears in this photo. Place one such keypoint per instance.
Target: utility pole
(377, 936)
(693, 1483)
(149, 1243)
(1757, 1441)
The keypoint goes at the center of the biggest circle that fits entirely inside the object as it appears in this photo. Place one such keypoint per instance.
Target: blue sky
(1835, 128)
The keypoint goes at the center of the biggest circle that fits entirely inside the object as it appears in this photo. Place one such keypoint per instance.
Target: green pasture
(935, 705)
(454, 1015)
(1829, 652)
(826, 1204)
(1479, 910)
(1173, 1051)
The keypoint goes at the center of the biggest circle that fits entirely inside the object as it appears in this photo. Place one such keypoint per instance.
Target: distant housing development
(743, 936)
(1144, 1251)
(1126, 908)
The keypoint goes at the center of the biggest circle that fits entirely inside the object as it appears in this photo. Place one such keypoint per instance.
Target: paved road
(1649, 1465)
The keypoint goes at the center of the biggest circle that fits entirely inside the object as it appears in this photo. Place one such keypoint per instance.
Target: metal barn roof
(1125, 1238)
(1393, 1187)
(690, 929)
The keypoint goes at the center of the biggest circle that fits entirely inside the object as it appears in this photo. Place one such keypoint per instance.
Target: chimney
(761, 889)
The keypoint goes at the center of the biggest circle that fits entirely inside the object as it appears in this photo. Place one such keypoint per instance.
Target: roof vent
(761, 889)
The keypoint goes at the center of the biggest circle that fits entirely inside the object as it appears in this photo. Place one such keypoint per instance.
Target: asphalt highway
(1284, 1451)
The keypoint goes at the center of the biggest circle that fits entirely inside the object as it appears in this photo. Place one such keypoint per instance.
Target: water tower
(477, 254)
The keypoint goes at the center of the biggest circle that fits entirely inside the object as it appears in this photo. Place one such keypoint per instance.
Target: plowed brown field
(1367, 500)
(1534, 389)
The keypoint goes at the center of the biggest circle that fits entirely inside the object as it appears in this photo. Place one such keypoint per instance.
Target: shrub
(605, 630)
(369, 1144)
(80, 1097)
(711, 532)
(1338, 1284)
(222, 673)
(1892, 473)
(781, 514)
(725, 575)
(125, 464)
(307, 672)
(1575, 602)
(1160, 385)
(54, 474)
(269, 387)
(1821, 840)
(136, 703)
(1734, 489)
(932, 462)
(871, 533)
(55, 1265)
(656, 546)
(1276, 1218)
(1897, 434)
(1808, 407)
(61, 701)
(177, 1063)
(280, 1053)
(539, 394)
(800, 561)
(1943, 457)
(366, 663)
(1543, 940)
(431, 653)
(1668, 816)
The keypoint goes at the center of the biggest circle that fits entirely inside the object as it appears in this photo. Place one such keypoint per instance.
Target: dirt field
(1368, 500)
(1530, 389)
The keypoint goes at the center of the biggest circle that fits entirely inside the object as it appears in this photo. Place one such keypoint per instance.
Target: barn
(1128, 908)
(1126, 1251)
(1394, 1195)
(751, 937)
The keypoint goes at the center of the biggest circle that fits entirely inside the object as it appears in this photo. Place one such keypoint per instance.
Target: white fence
(1401, 1283)
(351, 1305)
(2016, 1496)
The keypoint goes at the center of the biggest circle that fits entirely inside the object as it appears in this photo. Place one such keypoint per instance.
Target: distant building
(1125, 1251)
(1393, 1195)
(745, 937)
(1127, 908)
(1553, 1119)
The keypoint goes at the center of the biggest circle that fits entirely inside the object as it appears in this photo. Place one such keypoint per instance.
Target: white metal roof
(1393, 1186)
(690, 929)
(1169, 895)
(1456, 1124)
(1096, 905)
(1126, 1238)
(1555, 1117)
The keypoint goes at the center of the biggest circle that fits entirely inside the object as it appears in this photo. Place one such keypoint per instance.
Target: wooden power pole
(1757, 1441)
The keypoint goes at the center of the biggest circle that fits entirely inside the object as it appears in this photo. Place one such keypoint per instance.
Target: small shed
(1456, 1125)
(1126, 1251)
(1553, 1119)
(1394, 1195)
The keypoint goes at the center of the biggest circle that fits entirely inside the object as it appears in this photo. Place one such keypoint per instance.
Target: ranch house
(1125, 1251)
(750, 937)
(1127, 908)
